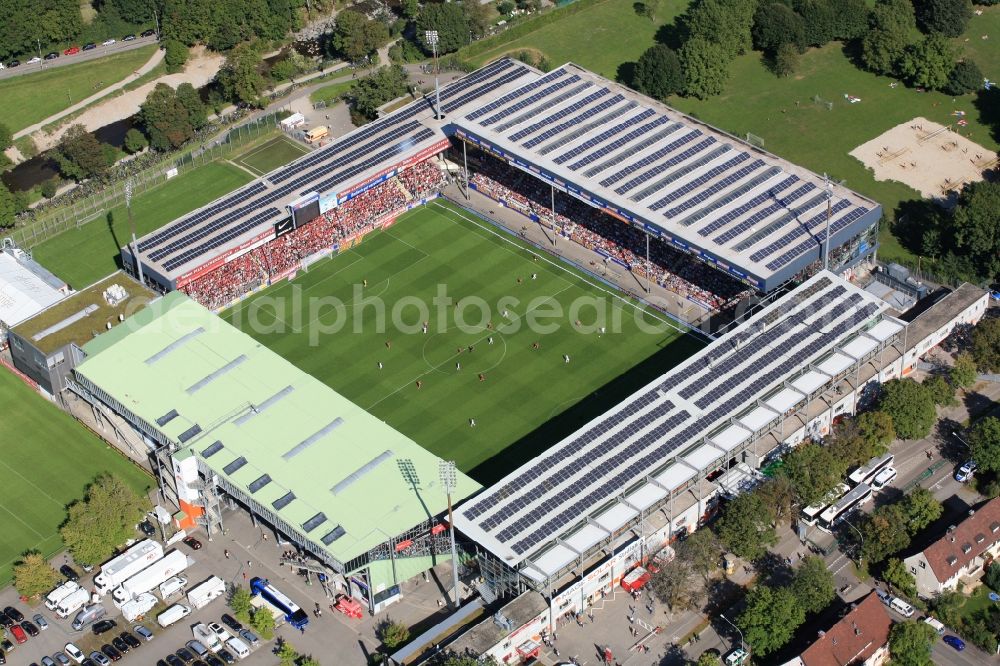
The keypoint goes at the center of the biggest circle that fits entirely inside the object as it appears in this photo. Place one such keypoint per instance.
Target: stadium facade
(739, 209)
(230, 422)
(26, 288)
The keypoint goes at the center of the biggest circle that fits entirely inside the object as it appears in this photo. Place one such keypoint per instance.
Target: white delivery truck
(60, 593)
(172, 564)
(118, 570)
(206, 637)
(72, 603)
(200, 595)
(138, 606)
(173, 614)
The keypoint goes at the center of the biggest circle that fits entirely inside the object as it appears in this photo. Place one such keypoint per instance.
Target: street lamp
(449, 479)
(860, 536)
(432, 38)
(743, 645)
(131, 224)
(959, 438)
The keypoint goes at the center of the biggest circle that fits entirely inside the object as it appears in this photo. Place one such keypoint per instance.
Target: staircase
(486, 593)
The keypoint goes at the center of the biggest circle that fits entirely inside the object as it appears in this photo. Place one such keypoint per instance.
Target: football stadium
(410, 294)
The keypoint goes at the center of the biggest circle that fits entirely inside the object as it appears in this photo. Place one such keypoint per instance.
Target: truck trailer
(203, 593)
(138, 606)
(172, 563)
(118, 570)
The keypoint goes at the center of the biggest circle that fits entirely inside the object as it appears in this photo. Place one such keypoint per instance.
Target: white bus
(810, 514)
(870, 470)
(845, 505)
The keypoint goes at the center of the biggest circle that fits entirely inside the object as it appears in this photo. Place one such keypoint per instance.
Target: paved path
(148, 66)
(82, 56)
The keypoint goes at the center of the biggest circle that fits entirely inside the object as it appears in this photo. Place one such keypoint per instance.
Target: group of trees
(888, 529)
(372, 91)
(103, 520)
(981, 627)
(773, 613)
(170, 116)
(33, 575)
(80, 155)
(910, 643)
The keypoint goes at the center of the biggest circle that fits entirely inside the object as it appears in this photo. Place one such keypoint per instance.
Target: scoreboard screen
(305, 213)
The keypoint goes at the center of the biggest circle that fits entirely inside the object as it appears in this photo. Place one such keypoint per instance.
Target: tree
(658, 72)
(876, 431)
(135, 141)
(33, 574)
(8, 207)
(448, 19)
(103, 520)
(948, 17)
(776, 24)
(672, 585)
(308, 660)
(920, 509)
(747, 526)
(191, 101)
(984, 439)
(263, 622)
(392, 634)
(478, 18)
(812, 584)
(786, 60)
(239, 601)
(725, 23)
(812, 471)
(976, 223)
(6, 137)
(929, 62)
(240, 75)
(356, 36)
(947, 607)
(882, 534)
(965, 77)
(897, 575)
(165, 118)
(986, 345)
(942, 392)
(287, 654)
(770, 619)
(175, 55)
(708, 658)
(910, 643)
(892, 24)
(50, 186)
(992, 578)
(779, 494)
(701, 550)
(80, 154)
(910, 406)
(411, 8)
(705, 66)
(850, 19)
(963, 373)
(376, 89)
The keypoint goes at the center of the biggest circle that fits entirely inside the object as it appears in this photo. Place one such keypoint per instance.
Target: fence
(52, 222)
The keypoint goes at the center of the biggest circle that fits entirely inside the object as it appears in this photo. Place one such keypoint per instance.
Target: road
(82, 56)
(945, 655)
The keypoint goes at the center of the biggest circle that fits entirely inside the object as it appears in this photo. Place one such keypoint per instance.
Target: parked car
(955, 642)
(74, 653)
(48, 661)
(966, 471)
(143, 631)
(147, 528)
(109, 42)
(103, 626)
(185, 655)
(5, 621)
(69, 573)
(13, 613)
(219, 631)
(249, 638)
(119, 644)
(61, 658)
(226, 656)
(111, 652)
(147, 33)
(192, 543)
(40, 620)
(130, 639)
(14, 63)
(99, 658)
(34, 60)
(20, 636)
(89, 46)
(174, 660)
(30, 627)
(73, 50)
(51, 56)
(231, 622)
(214, 660)
(128, 38)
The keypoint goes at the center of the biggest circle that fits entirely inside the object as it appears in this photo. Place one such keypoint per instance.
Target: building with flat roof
(48, 345)
(25, 289)
(226, 417)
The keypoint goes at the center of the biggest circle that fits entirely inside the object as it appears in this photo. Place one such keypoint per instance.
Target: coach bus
(871, 469)
(845, 505)
(810, 514)
(294, 615)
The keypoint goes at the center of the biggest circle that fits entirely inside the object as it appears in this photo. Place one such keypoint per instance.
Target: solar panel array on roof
(259, 483)
(167, 418)
(212, 449)
(189, 433)
(234, 466)
(333, 535)
(283, 501)
(552, 493)
(314, 522)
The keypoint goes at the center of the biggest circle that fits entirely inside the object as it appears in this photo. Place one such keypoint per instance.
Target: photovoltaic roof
(679, 177)
(345, 447)
(678, 423)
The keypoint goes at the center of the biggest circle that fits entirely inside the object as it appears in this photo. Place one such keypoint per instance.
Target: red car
(73, 50)
(19, 634)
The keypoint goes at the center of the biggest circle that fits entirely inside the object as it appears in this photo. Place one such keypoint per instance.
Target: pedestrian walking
(458, 366)
(249, 563)
(565, 358)
(490, 340)
(472, 423)
(380, 365)
(226, 553)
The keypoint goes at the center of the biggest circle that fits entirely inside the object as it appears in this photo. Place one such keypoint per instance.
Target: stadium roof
(322, 464)
(680, 425)
(703, 190)
(84, 315)
(25, 291)
(248, 215)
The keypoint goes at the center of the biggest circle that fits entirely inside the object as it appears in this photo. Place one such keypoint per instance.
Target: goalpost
(755, 140)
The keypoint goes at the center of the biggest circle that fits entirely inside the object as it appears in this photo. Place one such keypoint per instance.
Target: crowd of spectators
(277, 257)
(596, 230)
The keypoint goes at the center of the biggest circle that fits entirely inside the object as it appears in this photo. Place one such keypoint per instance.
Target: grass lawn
(600, 38)
(529, 398)
(84, 255)
(975, 602)
(330, 92)
(47, 461)
(28, 98)
(270, 155)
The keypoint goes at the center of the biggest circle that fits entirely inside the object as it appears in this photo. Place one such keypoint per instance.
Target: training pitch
(522, 398)
(46, 462)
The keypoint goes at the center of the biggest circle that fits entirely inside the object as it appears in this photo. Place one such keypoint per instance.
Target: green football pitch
(522, 398)
(46, 462)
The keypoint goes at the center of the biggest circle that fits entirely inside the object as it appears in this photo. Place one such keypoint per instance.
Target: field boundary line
(559, 265)
(37, 487)
(18, 519)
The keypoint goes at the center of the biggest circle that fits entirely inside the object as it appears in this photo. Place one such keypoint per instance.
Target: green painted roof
(335, 457)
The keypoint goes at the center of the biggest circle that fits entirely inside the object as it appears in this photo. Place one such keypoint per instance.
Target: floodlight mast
(449, 479)
(432, 38)
(131, 224)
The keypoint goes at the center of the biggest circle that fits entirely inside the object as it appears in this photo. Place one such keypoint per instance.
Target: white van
(935, 625)
(901, 607)
(238, 647)
(88, 615)
(884, 478)
(173, 614)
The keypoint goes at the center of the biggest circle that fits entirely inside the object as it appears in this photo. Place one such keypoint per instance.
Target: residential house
(860, 638)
